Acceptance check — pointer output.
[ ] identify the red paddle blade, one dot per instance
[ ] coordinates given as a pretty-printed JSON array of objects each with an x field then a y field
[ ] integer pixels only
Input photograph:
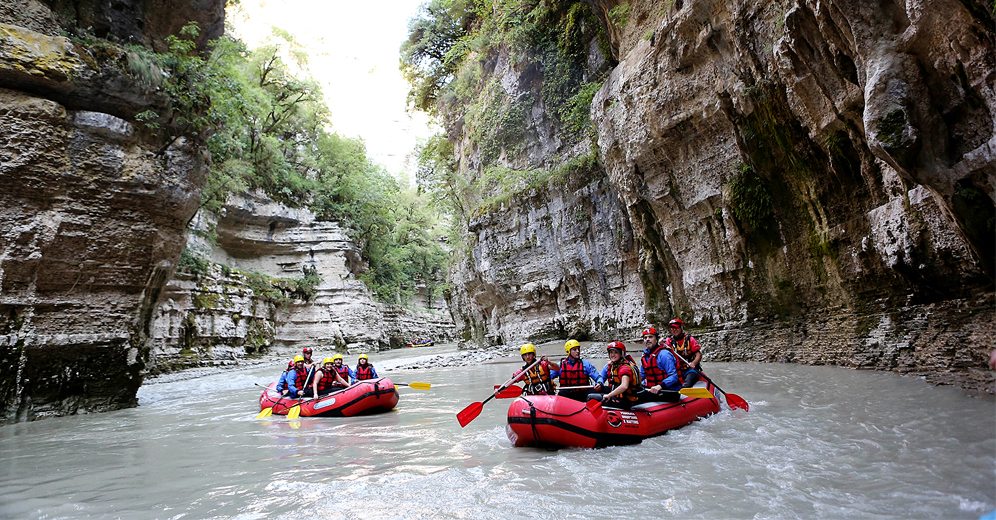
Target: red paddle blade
[
  {"x": 737, "y": 402},
  {"x": 469, "y": 413},
  {"x": 509, "y": 393},
  {"x": 594, "y": 406}
]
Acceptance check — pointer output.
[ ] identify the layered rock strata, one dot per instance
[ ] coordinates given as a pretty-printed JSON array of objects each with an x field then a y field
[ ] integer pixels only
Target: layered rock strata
[
  {"x": 219, "y": 316},
  {"x": 92, "y": 217},
  {"x": 802, "y": 181}
]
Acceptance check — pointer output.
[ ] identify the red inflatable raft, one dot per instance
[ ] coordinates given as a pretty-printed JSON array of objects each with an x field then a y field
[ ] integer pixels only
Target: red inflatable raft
[
  {"x": 558, "y": 422},
  {"x": 362, "y": 397}
]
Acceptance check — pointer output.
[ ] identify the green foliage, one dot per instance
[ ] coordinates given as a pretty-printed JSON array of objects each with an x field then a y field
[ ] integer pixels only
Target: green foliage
[
  {"x": 576, "y": 112},
  {"x": 499, "y": 185},
  {"x": 435, "y": 46},
  {"x": 266, "y": 129},
  {"x": 619, "y": 15},
  {"x": 498, "y": 122},
  {"x": 452, "y": 40},
  {"x": 750, "y": 200},
  {"x": 192, "y": 263}
]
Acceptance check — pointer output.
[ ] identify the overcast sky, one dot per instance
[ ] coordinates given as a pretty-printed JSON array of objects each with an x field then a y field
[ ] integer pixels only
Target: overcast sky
[{"x": 352, "y": 49}]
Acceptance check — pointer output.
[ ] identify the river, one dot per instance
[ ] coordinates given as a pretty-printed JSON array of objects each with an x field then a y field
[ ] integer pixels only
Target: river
[{"x": 818, "y": 442}]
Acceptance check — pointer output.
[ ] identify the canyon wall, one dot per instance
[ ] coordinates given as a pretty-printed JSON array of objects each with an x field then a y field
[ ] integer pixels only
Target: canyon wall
[
  {"x": 248, "y": 296},
  {"x": 801, "y": 181},
  {"x": 92, "y": 211}
]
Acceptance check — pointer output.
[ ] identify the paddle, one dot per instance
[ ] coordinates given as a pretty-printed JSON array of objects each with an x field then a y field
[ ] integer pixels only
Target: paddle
[
  {"x": 266, "y": 412},
  {"x": 733, "y": 400},
  {"x": 508, "y": 393},
  {"x": 471, "y": 412},
  {"x": 417, "y": 385}
]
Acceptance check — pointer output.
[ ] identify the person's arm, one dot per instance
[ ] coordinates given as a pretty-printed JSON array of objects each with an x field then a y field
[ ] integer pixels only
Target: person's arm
[
  {"x": 696, "y": 349},
  {"x": 592, "y": 373},
  {"x": 665, "y": 360},
  {"x": 314, "y": 384},
  {"x": 291, "y": 381},
  {"x": 339, "y": 379},
  {"x": 373, "y": 372},
  {"x": 553, "y": 365},
  {"x": 352, "y": 375},
  {"x": 623, "y": 385}
]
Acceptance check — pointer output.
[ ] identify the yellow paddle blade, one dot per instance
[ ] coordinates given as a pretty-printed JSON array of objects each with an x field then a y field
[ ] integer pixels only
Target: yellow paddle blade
[
  {"x": 702, "y": 393},
  {"x": 266, "y": 412},
  {"x": 294, "y": 412},
  {"x": 418, "y": 385}
]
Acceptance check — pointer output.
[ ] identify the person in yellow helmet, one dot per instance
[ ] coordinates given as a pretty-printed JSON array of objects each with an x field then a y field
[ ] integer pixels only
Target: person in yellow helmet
[
  {"x": 343, "y": 370},
  {"x": 294, "y": 379},
  {"x": 576, "y": 372},
  {"x": 538, "y": 380},
  {"x": 364, "y": 370},
  {"x": 327, "y": 379}
]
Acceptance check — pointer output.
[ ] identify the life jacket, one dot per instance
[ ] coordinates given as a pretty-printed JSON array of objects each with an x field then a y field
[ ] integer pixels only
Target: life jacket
[
  {"x": 651, "y": 371},
  {"x": 327, "y": 380},
  {"x": 680, "y": 348},
  {"x": 537, "y": 380},
  {"x": 300, "y": 378},
  {"x": 634, "y": 384},
  {"x": 343, "y": 372},
  {"x": 572, "y": 375},
  {"x": 364, "y": 372}
]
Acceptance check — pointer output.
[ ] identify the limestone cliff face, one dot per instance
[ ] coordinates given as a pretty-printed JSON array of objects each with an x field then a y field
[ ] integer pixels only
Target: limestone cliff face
[
  {"x": 802, "y": 181},
  {"x": 92, "y": 219},
  {"x": 222, "y": 315}
]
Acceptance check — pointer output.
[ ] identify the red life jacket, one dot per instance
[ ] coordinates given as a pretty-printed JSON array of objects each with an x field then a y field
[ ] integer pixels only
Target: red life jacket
[
  {"x": 327, "y": 380},
  {"x": 651, "y": 372},
  {"x": 538, "y": 380},
  {"x": 364, "y": 372},
  {"x": 343, "y": 372},
  {"x": 300, "y": 378},
  {"x": 572, "y": 375},
  {"x": 634, "y": 384}
]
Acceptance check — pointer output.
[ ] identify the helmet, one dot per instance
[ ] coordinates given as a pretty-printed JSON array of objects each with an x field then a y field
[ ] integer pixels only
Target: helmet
[
  {"x": 364, "y": 356},
  {"x": 328, "y": 360},
  {"x": 336, "y": 356},
  {"x": 676, "y": 321},
  {"x": 298, "y": 358},
  {"x": 527, "y": 348},
  {"x": 571, "y": 343},
  {"x": 307, "y": 350},
  {"x": 619, "y": 345},
  {"x": 290, "y": 364},
  {"x": 649, "y": 331}
]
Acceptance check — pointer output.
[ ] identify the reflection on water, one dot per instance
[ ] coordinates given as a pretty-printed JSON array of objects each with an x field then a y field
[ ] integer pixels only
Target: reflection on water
[{"x": 818, "y": 443}]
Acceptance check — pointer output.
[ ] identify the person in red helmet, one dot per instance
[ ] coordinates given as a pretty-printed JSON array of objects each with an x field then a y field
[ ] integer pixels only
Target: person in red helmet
[
  {"x": 622, "y": 375},
  {"x": 688, "y": 352},
  {"x": 658, "y": 366},
  {"x": 281, "y": 383}
]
